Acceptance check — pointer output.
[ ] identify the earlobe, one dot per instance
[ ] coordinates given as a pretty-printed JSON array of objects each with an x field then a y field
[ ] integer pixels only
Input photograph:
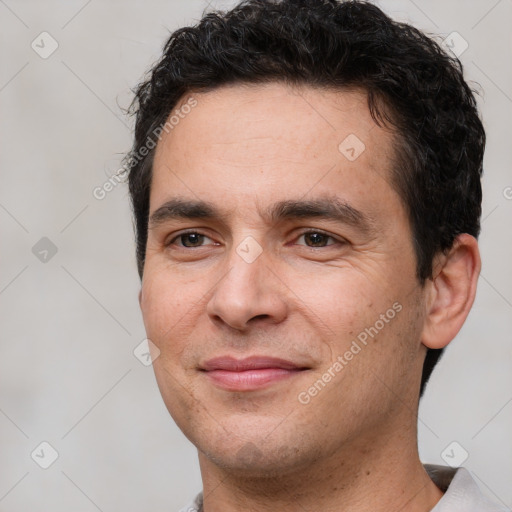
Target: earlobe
[{"x": 452, "y": 292}]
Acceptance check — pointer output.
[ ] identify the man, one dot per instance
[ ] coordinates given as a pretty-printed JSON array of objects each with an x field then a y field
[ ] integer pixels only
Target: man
[{"x": 305, "y": 181}]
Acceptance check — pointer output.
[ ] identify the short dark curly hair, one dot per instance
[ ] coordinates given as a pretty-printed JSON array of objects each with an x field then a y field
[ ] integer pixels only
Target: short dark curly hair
[{"x": 411, "y": 84}]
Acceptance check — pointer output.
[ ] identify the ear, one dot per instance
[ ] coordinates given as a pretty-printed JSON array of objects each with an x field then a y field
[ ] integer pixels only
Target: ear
[{"x": 452, "y": 292}]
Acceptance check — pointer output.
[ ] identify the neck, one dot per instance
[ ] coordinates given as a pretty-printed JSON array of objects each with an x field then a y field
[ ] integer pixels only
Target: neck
[{"x": 361, "y": 476}]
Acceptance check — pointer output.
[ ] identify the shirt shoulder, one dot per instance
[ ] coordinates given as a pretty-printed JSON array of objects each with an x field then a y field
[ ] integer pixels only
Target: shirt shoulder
[
  {"x": 195, "y": 506},
  {"x": 462, "y": 493}
]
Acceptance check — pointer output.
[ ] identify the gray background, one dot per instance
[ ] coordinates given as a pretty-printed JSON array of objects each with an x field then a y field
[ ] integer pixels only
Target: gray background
[{"x": 69, "y": 325}]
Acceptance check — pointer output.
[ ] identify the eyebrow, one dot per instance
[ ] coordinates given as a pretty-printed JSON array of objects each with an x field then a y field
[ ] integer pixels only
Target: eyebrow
[
  {"x": 183, "y": 209},
  {"x": 329, "y": 208}
]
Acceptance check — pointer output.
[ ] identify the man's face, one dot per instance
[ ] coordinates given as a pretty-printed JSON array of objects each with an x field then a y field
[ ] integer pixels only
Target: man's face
[{"x": 255, "y": 285}]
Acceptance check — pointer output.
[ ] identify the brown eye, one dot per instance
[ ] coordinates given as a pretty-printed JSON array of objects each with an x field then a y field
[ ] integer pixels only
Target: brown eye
[
  {"x": 189, "y": 240},
  {"x": 316, "y": 239},
  {"x": 192, "y": 239}
]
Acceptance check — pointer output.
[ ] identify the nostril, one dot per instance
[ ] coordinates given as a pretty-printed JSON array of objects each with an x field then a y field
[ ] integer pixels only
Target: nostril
[{"x": 260, "y": 317}]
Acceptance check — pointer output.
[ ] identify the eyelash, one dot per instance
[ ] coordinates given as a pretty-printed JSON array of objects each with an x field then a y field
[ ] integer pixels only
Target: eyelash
[{"x": 303, "y": 233}]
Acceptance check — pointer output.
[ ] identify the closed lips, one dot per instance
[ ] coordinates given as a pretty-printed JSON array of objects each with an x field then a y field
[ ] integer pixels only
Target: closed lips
[
  {"x": 232, "y": 364},
  {"x": 248, "y": 374}
]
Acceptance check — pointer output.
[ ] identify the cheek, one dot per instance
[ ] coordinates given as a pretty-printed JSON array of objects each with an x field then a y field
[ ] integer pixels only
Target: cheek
[
  {"x": 177, "y": 393},
  {"x": 340, "y": 300},
  {"x": 168, "y": 309},
  {"x": 364, "y": 322}
]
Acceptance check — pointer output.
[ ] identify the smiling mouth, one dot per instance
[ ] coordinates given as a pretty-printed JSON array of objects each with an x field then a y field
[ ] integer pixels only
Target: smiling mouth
[{"x": 249, "y": 374}]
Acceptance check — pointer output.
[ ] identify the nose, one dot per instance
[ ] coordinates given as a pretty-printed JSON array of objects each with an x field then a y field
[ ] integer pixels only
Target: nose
[{"x": 249, "y": 293}]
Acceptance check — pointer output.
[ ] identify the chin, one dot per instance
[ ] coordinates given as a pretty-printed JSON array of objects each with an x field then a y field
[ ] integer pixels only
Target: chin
[
  {"x": 257, "y": 449},
  {"x": 251, "y": 461}
]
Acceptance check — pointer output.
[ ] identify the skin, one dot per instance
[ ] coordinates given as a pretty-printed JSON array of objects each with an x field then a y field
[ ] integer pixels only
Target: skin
[{"x": 305, "y": 298}]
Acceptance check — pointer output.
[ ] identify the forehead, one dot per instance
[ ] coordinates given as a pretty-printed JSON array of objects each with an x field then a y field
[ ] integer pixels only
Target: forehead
[{"x": 273, "y": 138}]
